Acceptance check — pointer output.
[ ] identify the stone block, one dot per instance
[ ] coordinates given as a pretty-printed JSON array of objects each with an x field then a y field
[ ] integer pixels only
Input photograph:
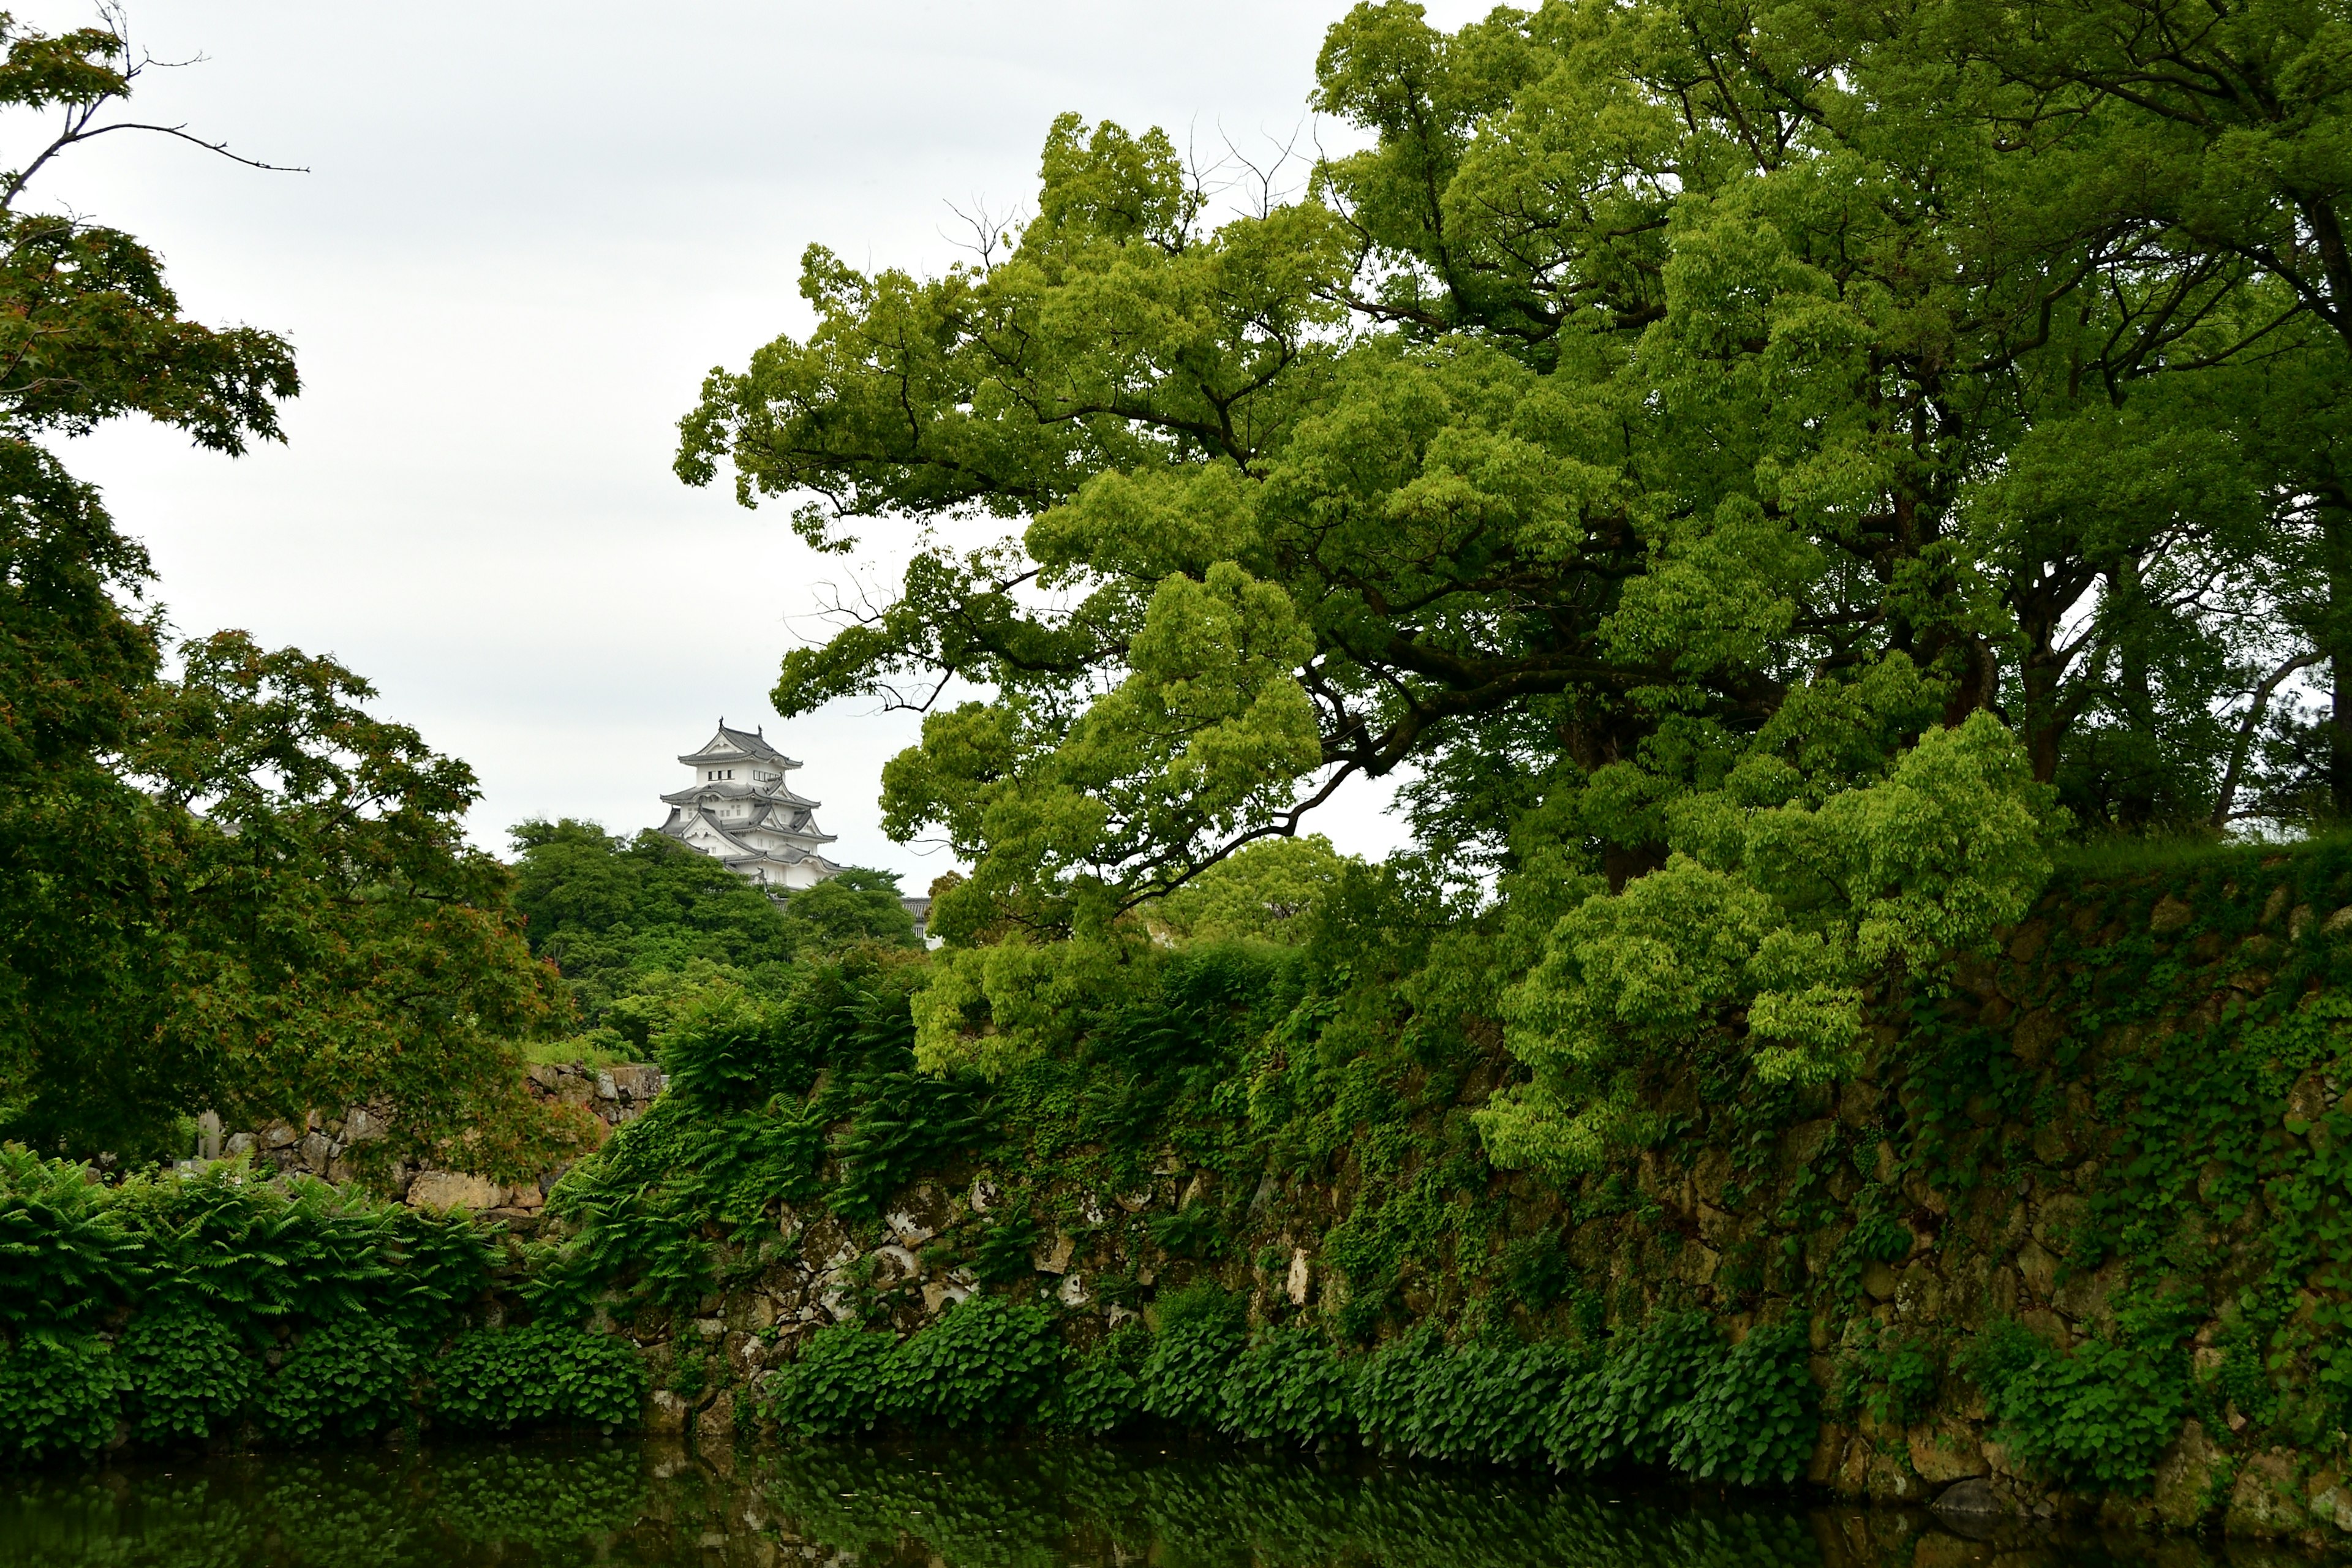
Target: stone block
[
  {"x": 1055, "y": 1257},
  {"x": 2035, "y": 1035},
  {"x": 2193, "y": 1477},
  {"x": 2039, "y": 1268},
  {"x": 2171, "y": 914},
  {"x": 1300, "y": 1282},
  {"x": 2268, "y": 1497},
  {"x": 2085, "y": 1297},
  {"x": 239, "y": 1144},
  {"x": 1829, "y": 1447},
  {"x": 893, "y": 1265},
  {"x": 637, "y": 1081},
  {"x": 1945, "y": 1451},
  {"x": 317, "y": 1149},
  {"x": 2328, "y": 1500},
  {"x": 445, "y": 1190}
]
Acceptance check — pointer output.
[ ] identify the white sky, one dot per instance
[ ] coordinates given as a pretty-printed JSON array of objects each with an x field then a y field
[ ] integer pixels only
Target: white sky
[{"x": 529, "y": 230}]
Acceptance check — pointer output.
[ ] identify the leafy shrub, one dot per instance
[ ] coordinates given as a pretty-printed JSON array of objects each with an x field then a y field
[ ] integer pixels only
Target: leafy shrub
[
  {"x": 1391, "y": 1392},
  {"x": 349, "y": 1376},
  {"x": 2097, "y": 1415},
  {"x": 841, "y": 1382},
  {"x": 65, "y": 1249},
  {"x": 1288, "y": 1386},
  {"x": 1003, "y": 1252},
  {"x": 490, "y": 1379},
  {"x": 1490, "y": 1403},
  {"x": 1752, "y": 1419},
  {"x": 1102, "y": 1390},
  {"x": 986, "y": 1363},
  {"x": 1626, "y": 1409},
  {"x": 1200, "y": 1334},
  {"x": 1484, "y": 1402},
  {"x": 1894, "y": 1378},
  {"x": 59, "y": 1392},
  {"x": 187, "y": 1372}
]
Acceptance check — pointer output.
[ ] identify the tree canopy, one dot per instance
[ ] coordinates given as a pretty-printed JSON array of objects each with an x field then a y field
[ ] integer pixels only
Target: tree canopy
[
  {"x": 1762, "y": 475},
  {"x": 639, "y": 926},
  {"x": 225, "y": 883}
]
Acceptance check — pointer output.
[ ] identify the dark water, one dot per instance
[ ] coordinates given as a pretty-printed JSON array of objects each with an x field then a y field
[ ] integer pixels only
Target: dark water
[{"x": 967, "y": 1506}]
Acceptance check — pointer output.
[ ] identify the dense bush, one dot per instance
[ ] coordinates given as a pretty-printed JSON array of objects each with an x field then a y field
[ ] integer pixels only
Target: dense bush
[
  {"x": 2095, "y": 1417},
  {"x": 985, "y": 1363},
  {"x": 345, "y": 1377},
  {"x": 1289, "y": 1386},
  {"x": 219, "y": 1276},
  {"x": 186, "y": 1370},
  {"x": 1102, "y": 1391},
  {"x": 492, "y": 1379},
  {"x": 840, "y": 1383},
  {"x": 1201, "y": 1333},
  {"x": 59, "y": 1393},
  {"x": 1753, "y": 1416},
  {"x": 1669, "y": 1393}
]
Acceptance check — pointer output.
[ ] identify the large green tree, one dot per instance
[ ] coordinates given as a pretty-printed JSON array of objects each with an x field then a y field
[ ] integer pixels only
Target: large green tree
[
  {"x": 224, "y": 883},
  {"x": 1747, "y": 465}
]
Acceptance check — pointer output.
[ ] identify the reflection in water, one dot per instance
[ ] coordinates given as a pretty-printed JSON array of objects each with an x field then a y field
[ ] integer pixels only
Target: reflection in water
[{"x": 948, "y": 1507}]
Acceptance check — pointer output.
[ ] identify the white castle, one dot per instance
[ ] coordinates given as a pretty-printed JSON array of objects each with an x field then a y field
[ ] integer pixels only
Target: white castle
[{"x": 738, "y": 810}]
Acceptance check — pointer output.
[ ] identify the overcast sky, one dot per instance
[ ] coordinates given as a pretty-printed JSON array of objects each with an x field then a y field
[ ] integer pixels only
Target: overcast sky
[{"x": 528, "y": 232}]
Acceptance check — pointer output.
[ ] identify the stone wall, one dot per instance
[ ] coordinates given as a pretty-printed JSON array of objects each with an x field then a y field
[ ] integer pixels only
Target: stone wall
[
  {"x": 329, "y": 1146},
  {"x": 1749, "y": 1225}
]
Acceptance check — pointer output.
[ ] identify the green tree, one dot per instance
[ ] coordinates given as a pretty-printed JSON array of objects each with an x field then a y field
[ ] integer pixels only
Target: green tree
[
  {"x": 856, "y": 906},
  {"x": 1685, "y": 438},
  {"x": 610, "y": 912},
  {"x": 227, "y": 886}
]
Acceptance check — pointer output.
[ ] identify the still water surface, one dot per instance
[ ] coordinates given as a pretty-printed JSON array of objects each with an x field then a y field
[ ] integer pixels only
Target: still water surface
[{"x": 967, "y": 1506}]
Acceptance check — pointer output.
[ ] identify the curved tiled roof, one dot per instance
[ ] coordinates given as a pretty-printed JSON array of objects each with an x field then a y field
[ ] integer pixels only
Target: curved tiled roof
[{"x": 729, "y": 743}]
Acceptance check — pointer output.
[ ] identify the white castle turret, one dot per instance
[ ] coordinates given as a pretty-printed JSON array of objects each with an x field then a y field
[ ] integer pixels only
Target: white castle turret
[{"x": 737, "y": 809}]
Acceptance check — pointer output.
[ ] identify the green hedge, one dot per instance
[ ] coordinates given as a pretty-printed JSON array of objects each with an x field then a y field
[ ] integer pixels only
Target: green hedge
[
  {"x": 1674, "y": 1394},
  {"x": 173, "y": 1310}
]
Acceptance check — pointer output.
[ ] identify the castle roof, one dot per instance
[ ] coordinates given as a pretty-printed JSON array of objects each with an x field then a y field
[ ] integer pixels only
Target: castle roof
[
  {"x": 736, "y": 746},
  {"x": 736, "y": 789}
]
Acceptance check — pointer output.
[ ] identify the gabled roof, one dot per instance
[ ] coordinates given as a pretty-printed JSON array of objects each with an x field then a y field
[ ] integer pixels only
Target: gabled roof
[
  {"x": 737, "y": 789},
  {"x": 734, "y": 745}
]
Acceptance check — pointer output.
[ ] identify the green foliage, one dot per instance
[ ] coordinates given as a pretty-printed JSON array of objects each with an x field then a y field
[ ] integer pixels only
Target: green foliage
[
  {"x": 1102, "y": 1391},
  {"x": 1629, "y": 1409},
  {"x": 59, "y": 1394},
  {"x": 1751, "y": 1419},
  {"x": 494, "y": 1379},
  {"x": 186, "y": 1371},
  {"x": 613, "y": 912},
  {"x": 840, "y": 1383},
  {"x": 65, "y": 1249},
  {"x": 1785, "y": 913},
  {"x": 1893, "y": 1376},
  {"x": 856, "y": 905},
  {"x": 1270, "y": 891},
  {"x": 985, "y": 1363},
  {"x": 1288, "y": 1386},
  {"x": 2095, "y": 1417},
  {"x": 1200, "y": 1334},
  {"x": 346, "y": 1377}
]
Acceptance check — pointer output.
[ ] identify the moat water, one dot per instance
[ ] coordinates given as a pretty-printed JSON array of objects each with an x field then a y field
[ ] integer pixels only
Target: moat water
[{"x": 962, "y": 1506}]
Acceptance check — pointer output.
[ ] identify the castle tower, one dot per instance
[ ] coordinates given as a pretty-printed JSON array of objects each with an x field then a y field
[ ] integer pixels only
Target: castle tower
[{"x": 738, "y": 808}]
